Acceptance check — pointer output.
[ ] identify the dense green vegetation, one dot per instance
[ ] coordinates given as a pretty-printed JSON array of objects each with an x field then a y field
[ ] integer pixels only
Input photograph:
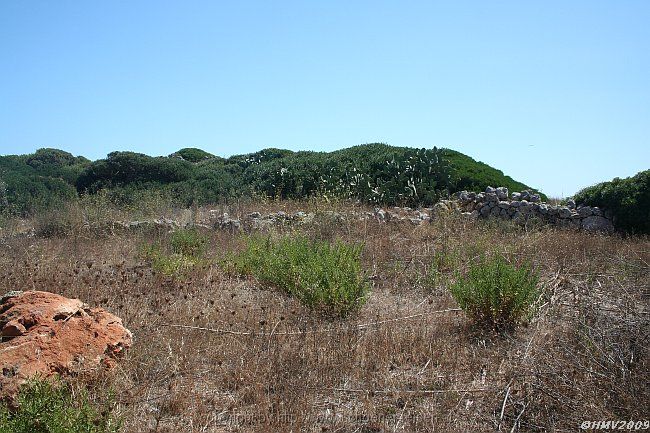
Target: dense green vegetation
[
  {"x": 323, "y": 275},
  {"x": 39, "y": 180},
  {"x": 628, "y": 199},
  {"x": 180, "y": 253},
  {"x": 374, "y": 173},
  {"x": 496, "y": 293},
  {"x": 44, "y": 407}
]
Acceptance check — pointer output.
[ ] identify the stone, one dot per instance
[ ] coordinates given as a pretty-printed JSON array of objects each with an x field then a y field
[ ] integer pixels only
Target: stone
[
  {"x": 515, "y": 196},
  {"x": 504, "y": 204},
  {"x": 535, "y": 198},
  {"x": 45, "y": 334},
  {"x": 502, "y": 193},
  {"x": 254, "y": 215},
  {"x": 571, "y": 204},
  {"x": 597, "y": 223},
  {"x": 491, "y": 197},
  {"x": 564, "y": 212},
  {"x": 585, "y": 211},
  {"x": 485, "y": 210},
  {"x": 490, "y": 190}
]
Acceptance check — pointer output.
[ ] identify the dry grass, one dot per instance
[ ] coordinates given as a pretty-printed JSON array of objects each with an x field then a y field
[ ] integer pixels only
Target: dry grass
[{"x": 275, "y": 365}]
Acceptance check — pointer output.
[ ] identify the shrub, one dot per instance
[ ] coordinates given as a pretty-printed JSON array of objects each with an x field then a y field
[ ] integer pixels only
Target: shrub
[
  {"x": 495, "y": 293},
  {"x": 321, "y": 274},
  {"x": 184, "y": 250},
  {"x": 627, "y": 199},
  {"x": 188, "y": 242},
  {"x": 43, "y": 407}
]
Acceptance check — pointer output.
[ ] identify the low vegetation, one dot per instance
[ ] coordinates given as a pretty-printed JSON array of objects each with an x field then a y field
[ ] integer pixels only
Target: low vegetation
[
  {"x": 321, "y": 274},
  {"x": 496, "y": 293},
  {"x": 178, "y": 253},
  {"x": 342, "y": 324},
  {"x": 45, "y": 407}
]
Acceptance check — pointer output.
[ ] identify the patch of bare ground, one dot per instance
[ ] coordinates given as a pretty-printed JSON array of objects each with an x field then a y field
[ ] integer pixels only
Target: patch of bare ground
[{"x": 217, "y": 353}]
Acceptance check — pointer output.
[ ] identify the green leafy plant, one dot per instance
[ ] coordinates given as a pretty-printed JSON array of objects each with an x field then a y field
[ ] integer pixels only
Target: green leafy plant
[
  {"x": 495, "y": 293},
  {"x": 321, "y": 274},
  {"x": 45, "y": 407},
  {"x": 182, "y": 251}
]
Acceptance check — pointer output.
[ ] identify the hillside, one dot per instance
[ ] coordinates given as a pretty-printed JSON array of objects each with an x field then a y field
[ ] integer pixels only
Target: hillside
[{"x": 374, "y": 173}]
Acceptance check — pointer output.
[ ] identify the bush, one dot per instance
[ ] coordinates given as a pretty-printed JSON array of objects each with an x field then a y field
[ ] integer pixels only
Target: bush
[
  {"x": 322, "y": 275},
  {"x": 188, "y": 242},
  {"x": 495, "y": 293},
  {"x": 43, "y": 407},
  {"x": 184, "y": 250},
  {"x": 627, "y": 199}
]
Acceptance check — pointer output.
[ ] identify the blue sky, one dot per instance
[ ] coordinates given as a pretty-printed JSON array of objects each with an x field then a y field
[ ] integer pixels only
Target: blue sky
[{"x": 554, "y": 93}]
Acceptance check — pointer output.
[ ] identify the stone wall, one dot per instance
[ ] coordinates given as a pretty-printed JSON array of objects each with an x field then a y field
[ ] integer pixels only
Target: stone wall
[{"x": 525, "y": 205}]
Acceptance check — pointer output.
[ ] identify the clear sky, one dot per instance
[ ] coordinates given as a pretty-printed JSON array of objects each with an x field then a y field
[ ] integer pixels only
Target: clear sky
[{"x": 554, "y": 93}]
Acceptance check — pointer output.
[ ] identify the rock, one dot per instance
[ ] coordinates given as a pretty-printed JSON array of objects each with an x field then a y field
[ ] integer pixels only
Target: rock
[
  {"x": 490, "y": 190},
  {"x": 491, "y": 197},
  {"x": 515, "y": 196},
  {"x": 47, "y": 334},
  {"x": 254, "y": 215},
  {"x": 571, "y": 204},
  {"x": 597, "y": 223},
  {"x": 535, "y": 198},
  {"x": 485, "y": 210},
  {"x": 564, "y": 212},
  {"x": 504, "y": 204},
  {"x": 502, "y": 193},
  {"x": 585, "y": 211}
]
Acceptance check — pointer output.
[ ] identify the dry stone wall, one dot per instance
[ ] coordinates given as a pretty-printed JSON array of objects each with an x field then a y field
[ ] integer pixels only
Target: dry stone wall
[{"x": 525, "y": 205}]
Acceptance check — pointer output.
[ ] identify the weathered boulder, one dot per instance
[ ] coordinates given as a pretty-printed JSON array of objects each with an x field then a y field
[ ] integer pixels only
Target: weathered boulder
[
  {"x": 597, "y": 223},
  {"x": 44, "y": 334}
]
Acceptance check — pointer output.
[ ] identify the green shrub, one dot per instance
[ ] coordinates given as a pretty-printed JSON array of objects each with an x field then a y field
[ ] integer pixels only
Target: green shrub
[
  {"x": 188, "y": 242},
  {"x": 184, "y": 250},
  {"x": 321, "y": 274},
  {"x": 43, "y": 407},
  {"x": 627, "y": 199},
  {"x": 495, "y": 293}
]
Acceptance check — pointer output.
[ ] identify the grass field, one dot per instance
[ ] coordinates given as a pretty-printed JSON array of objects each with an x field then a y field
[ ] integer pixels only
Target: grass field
[{"x": 218, "y": 351}]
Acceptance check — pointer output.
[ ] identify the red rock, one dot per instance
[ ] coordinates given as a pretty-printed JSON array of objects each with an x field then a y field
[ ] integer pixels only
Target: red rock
[{"x": 45, "y": 334}]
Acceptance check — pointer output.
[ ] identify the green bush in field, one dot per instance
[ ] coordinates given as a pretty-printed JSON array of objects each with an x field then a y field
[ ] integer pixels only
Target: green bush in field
[
  {"x": 495, "y": 293},
  {"x": 43, "y": 407},
  {"x": 322, "y": 275},
  {"x": 627, "y": 199},
  {"x": 183, "y": 250},
  {"x": 188, "y": 242}
]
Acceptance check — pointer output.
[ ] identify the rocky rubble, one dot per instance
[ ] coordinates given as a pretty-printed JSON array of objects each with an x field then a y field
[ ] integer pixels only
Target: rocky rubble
[
  {"x": 43, "y": 334},
  {"x": 525, "y": 205}
]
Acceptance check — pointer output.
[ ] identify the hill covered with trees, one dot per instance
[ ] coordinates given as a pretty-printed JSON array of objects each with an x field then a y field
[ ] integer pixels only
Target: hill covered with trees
[{"x": 374, "y": 173}]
